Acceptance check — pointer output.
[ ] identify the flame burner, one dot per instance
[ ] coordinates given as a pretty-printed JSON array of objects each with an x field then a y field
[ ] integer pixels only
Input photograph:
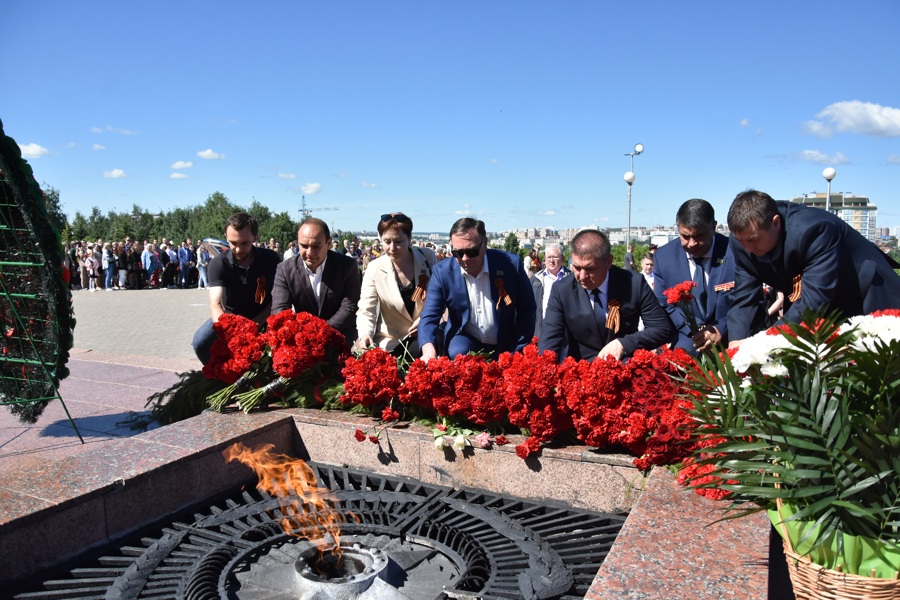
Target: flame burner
[{"x": 405, "y": 541}]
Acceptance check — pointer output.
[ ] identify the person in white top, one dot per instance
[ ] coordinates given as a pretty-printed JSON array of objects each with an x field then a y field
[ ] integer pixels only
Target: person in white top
[{"x": 542, "y": 282}]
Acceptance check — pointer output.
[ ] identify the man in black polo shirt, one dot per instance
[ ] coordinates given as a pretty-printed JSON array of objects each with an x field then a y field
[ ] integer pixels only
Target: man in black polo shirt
[{"x": 240, "y": 280}]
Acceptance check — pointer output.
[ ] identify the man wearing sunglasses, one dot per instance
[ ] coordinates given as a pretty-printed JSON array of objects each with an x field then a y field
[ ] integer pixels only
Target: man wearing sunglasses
[{"x": 486, "y": 294}]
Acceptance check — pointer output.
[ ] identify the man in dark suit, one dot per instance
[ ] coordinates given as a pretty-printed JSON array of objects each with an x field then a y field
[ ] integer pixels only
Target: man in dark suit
[
  {"x": 319, "y": 281},
  {"x": 595, "y": 313},
  {"x": 813, "y": 257},
  {"x": 486, "y": 294},
  {"x": 704, "y": 256}
]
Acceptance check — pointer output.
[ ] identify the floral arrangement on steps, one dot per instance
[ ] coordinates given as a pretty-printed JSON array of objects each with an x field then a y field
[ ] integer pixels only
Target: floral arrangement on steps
[
  {"x": 803, "y": 421},
  {"x": 301, "y": 361}
]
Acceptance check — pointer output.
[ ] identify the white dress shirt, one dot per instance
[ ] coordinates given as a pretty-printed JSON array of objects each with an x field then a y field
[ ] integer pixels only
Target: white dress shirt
[{"x": 481, "y": 325}]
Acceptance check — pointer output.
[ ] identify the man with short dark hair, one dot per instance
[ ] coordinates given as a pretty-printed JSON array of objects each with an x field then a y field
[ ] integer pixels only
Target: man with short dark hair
[
  {"x": 319, "y": 281},
  {"x": 703, "y": 256},
  {"x": 185, "y": 258},
  {"x": 810, "y": 255},
  {"x": 240, "y": 280},
  {"x": 486, "y": 294},
  {"x": 596, "y": 312}
]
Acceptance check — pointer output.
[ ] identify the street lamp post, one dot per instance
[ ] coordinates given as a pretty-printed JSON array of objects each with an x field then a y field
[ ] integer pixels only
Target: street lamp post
[
  {"x": 828, "y": 174},
  {"x": 629, "y": 179}
]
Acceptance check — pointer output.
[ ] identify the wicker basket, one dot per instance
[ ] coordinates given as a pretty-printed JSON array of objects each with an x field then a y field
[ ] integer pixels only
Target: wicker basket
[{"x": 815, "y": 582}]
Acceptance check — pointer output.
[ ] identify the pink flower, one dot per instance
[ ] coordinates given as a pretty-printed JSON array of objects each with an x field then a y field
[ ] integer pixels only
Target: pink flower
[{"x": 483, "y": 440}]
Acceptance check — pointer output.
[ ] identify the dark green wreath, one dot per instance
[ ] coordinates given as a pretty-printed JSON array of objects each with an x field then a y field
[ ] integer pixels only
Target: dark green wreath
[{"x": 36, "y": 318}]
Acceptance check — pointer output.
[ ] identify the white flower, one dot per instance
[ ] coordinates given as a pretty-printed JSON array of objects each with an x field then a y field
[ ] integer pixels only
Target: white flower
[
  {"x": 459, "y": 442},
  {"x": 758, "y": 350},
  {"x": 868, "y": 330},
  {"x": 440, "y": 443},
  {"x": 774, "y": 369}
]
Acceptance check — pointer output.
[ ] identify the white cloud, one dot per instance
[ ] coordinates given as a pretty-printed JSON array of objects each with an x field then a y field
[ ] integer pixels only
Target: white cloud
[
  {"x": 894, "y": 159},
  {"x": 70, "y": 145},
  {"x": 342, "y": 175},
  {"x": 494, "y": 161},
  {"x": 33, "y": 150},
  {"x": 854, "y": 116},
  {"x": 547, "y": 213},
  {"x": 814, "y": 156},
  {"x": 178, "y": 176},
  {"x": 114, "y": 174},
  {"x": 744, "y": 123},
  {"x": 368, "y": 184},
  {"x": 311, "y": 188},
  {"x": 287, "y": 176},
  {"x": 112, "y": 129},
  {"x": 182, "y": 164},
  {"x": 209, "y": 154},
  {"x": 98, "y": 147}
]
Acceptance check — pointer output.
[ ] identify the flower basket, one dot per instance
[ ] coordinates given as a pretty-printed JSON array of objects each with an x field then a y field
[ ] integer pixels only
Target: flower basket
[{"x": 812, "y": 581}]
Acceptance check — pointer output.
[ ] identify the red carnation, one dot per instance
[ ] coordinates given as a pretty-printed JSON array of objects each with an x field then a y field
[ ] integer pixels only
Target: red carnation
[
  {"x": 389, "y": 414},
  {"x": 237, "y": 348},
  {"x": 359, "y": 435}
]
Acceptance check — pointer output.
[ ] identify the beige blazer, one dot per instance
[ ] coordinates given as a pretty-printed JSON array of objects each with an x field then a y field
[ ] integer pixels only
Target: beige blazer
[{"x": 381, "y": 313}]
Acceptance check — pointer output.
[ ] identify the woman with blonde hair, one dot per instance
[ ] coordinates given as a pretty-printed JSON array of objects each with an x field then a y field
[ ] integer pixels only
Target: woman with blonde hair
[{"x": 393, "y": 290}]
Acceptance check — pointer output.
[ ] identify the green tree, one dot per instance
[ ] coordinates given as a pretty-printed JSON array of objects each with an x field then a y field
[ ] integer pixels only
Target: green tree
[
  {"x": 54, "y": 208},
  {"x": 280, "y": 227},
  {"x": 511, "y": 243}
]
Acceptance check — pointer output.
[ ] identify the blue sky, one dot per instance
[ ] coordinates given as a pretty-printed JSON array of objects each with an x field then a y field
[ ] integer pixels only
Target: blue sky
[{"x": 517, "y": 112}]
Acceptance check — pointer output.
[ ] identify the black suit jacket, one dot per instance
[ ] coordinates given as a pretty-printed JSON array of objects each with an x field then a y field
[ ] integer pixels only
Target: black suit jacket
[
  {"x": 838, "y": 269},
  {"x": 570, "y": 328},
  {"x": 340, "y": 289}
]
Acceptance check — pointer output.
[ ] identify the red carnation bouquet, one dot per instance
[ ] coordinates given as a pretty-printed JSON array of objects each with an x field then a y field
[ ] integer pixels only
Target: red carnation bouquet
[
  {"x": 530, "y": 380},
  {"x": 304, "y": 349},
  {"x": 235, "y": 357},
  {"x": 371, "y": 380},
  {"x": 682, "y": 297},
  {"x": 636, "y": 405}
]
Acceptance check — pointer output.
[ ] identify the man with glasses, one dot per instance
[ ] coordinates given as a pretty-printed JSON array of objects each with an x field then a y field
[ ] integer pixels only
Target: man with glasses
[
  {"x": 705, "y": 257},
  {"x": 596, "y": 312},
  {"x": 543, "y": 281},
  {"x": 486, "y": 294},
  {"x": 319, "y": 281}
]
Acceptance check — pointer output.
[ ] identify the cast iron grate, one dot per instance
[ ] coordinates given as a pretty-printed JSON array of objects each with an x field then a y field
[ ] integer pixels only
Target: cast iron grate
[{"x": 448, "y": 544}]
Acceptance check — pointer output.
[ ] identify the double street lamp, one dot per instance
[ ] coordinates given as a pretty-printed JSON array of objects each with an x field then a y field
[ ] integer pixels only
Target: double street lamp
[
  {"x": 629, "y": 179},
  {"x": 828, "y": 174}
]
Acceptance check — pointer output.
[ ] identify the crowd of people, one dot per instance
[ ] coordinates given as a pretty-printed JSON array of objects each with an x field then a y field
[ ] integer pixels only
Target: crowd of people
[{"x": 133, "y": 265}]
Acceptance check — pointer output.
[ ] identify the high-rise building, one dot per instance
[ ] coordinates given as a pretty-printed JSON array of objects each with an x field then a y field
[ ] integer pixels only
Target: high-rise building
[{"x": 855, "y": 210}]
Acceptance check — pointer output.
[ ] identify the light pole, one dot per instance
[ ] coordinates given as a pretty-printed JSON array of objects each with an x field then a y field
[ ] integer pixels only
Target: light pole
[
  {"x": 828, "y": 174},
  {"x": 629, "y": 179}
]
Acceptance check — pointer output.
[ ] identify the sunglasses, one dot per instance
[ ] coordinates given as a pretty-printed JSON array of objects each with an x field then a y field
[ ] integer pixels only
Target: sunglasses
[
  {"x": 396, "y": 217},
  {"x": 470, "y": 252}
]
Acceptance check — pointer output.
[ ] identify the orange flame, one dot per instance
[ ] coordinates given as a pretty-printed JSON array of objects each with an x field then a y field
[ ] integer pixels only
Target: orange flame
[{"x": 306, "y": 512}]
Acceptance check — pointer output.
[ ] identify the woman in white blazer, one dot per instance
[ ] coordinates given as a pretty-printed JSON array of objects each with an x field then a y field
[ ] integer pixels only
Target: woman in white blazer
[{"x": 393, "y": 290}]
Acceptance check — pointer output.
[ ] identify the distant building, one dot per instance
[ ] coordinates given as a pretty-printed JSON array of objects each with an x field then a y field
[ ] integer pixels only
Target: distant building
[{"x": 855, "y": 210}]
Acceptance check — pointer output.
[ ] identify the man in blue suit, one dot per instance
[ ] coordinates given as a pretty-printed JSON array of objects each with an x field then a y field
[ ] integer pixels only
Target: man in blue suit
[
  {"x": 813, "y": 257},
  {"x": 699, "y": 252},
  {"x": 595, "y": 313},
  {"x": 486, "y": 294}
]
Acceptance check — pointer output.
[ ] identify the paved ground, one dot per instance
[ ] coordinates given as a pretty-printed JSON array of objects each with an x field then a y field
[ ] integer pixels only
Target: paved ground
[{"x": 128, "y": 345}]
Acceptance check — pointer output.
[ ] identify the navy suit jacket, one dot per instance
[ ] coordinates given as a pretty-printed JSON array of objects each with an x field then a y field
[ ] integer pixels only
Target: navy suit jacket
[
  {"x": 838, "y": 269},
  {"x": 447, "y": 290},
  {"x": 340, "y": 290},
  {"x": 571, "y": 329},
  {"x": 671, "y": 268}
]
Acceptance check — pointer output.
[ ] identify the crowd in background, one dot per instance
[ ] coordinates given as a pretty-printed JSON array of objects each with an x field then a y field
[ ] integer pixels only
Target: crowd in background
[{"x": 136, "y": 265}]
